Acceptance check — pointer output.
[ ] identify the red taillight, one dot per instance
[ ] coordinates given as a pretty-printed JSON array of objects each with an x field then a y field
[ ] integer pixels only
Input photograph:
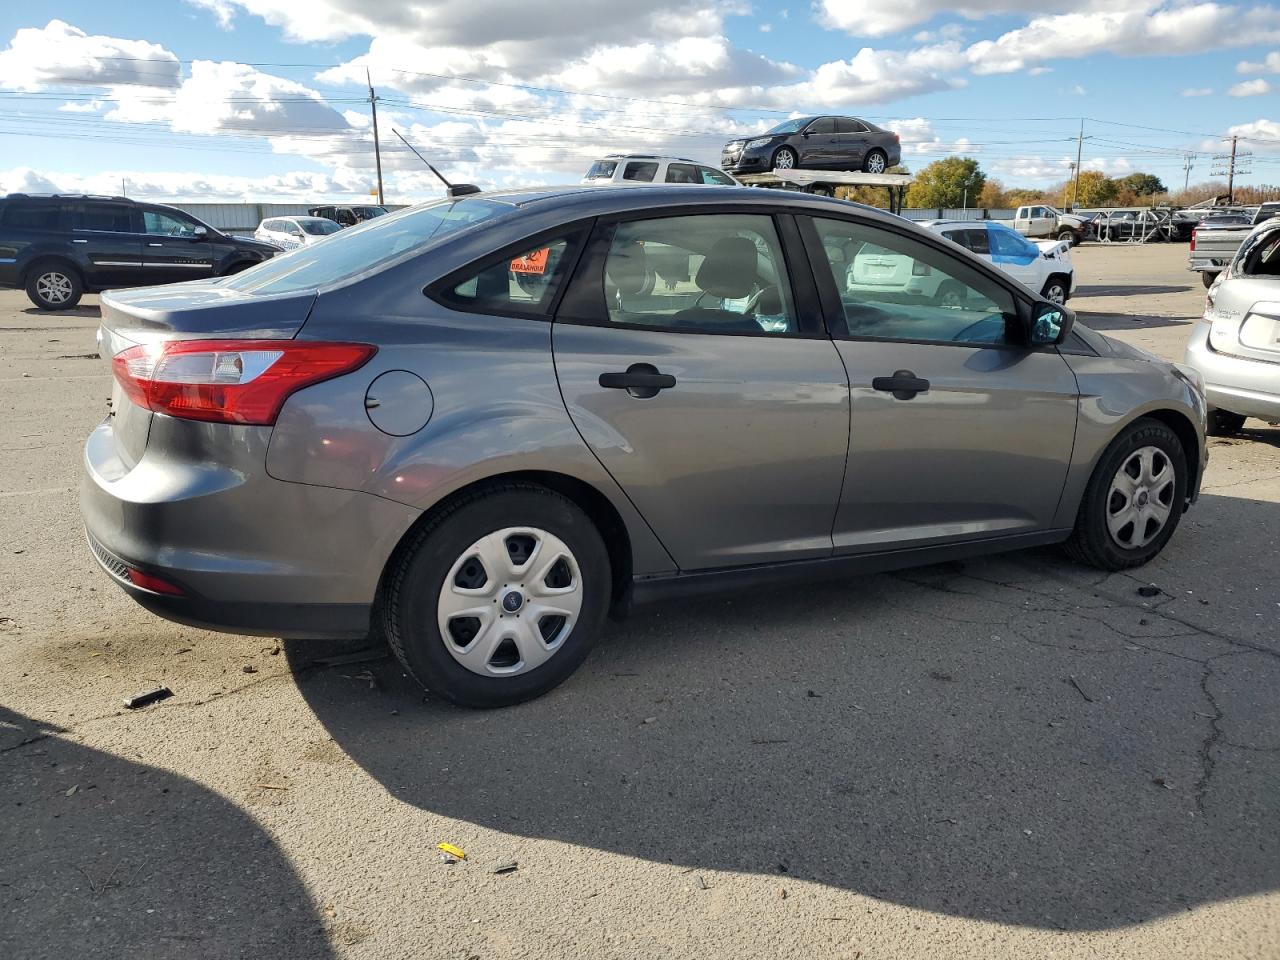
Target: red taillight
[
  {"x": 230, "y": 381},
  {"x": 1193, "y": 238},
  {"x": 155, "y": 584}
]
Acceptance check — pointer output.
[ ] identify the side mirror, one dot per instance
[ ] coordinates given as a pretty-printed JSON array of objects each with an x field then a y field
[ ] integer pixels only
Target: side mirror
[
  {"x": 200, "y": 233},
  {"x": 1050, "y": 324}
]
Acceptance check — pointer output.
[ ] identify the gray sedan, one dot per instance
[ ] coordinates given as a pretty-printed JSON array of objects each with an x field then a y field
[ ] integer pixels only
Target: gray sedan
[
  {"x": 815, "y": 143},
  {"x": 480, "y": 424},
  {"x": 1236, "y": 344}
]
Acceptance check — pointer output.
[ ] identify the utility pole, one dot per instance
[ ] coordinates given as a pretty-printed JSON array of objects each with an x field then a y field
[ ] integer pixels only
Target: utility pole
[
  {"x": 1075, "y": 194},
  {"x": 1231, "y": 173},
  {"x": 1187, "y": 163},
  {"x": 377, "y": 147}
]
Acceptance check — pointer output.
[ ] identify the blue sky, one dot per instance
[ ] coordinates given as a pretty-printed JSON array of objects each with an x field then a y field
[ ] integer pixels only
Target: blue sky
[{"x": 262, "y": 99}]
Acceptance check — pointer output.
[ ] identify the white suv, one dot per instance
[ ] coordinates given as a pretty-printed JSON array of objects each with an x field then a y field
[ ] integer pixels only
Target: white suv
[
  {"x": 294, "y": 232},
  {"x": 643, "y": 168}
]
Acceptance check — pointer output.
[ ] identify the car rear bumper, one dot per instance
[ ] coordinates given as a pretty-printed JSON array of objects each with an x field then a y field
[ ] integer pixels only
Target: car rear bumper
[
  {"x": 1236, "y": 384},
  {"x": 244, "y": 552}
]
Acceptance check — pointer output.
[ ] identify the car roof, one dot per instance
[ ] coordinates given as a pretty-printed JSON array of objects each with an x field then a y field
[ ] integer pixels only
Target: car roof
[
  {"x": 647, "y": 156},
  {"x": 957, "y": 223}
]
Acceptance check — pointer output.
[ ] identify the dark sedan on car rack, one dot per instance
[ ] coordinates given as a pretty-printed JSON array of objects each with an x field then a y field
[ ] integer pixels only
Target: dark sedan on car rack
[{"x": 815, "y": 143}]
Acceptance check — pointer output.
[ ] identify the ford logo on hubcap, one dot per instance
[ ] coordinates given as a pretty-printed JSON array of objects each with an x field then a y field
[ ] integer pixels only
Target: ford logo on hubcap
[{"x": 512, "y": 602}]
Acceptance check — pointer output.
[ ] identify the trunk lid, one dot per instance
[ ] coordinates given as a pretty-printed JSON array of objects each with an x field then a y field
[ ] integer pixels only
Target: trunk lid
[
  {"x": 201, "y": 310},
  {"x": 1245, "y": 318}
]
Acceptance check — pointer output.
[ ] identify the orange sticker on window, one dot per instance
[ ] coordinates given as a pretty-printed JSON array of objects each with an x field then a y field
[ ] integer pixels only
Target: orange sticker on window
[{"x": 534, "y": 262}]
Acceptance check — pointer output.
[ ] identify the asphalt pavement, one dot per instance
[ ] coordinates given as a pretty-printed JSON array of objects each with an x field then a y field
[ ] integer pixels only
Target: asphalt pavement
[{"x": 1006, "y": 757}]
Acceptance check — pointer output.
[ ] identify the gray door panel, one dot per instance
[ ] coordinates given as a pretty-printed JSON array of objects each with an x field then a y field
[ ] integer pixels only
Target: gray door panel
[
  {"x": 741, "y": 461},
  {"x": 983, "y": 452}
]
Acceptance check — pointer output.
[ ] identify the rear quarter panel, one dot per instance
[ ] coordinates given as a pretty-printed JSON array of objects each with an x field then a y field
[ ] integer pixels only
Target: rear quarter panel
[{"x": 495, "y": 405}]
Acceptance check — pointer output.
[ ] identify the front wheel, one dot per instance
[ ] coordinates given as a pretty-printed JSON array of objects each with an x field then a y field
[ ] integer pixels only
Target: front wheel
[
  {"x": 1134, "y": 499},
  {"x": 53, "y": 286},
  {"x": 1070, "y": 236},
  {"x": 1055, "y": 289},
  {"x": 784, "y": 158},
  {"x": 876, "y": 162},
  {"x": 498, "y": 599}
]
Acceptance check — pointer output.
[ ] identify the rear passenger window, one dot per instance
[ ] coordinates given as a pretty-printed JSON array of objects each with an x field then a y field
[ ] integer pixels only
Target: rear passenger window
[
  {"x": 970, "y": 239},
  {"x": 894, "y": 287},
  {"x": 521, "y": 284},
  {"x": 714, "y": 273},
  {"x": 30, "y": 216},
  {"x": 107, "y": 217},
  {"x": 683, "y": 173},
  {"x": 641, "y": 171},
  {"x": 849, "y": 125}
]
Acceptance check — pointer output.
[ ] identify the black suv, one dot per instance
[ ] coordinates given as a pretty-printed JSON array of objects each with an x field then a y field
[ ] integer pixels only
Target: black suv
[
  {"x": 60, "y": 247},
  {"x": 348, "y": 216}
]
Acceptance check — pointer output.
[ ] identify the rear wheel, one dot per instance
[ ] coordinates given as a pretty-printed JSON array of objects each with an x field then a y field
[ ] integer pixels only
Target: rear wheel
[
  {"x": 876, "y": 162},
  {"x": 500, "y": 598},
  {"x": 1134, "y": 499},
  {"x": 1207, "y": 278},
  {"x": 784, "y": 158},
  {"x": 1224, "y": 423},
  {"x": 52, "y": 285},
  {"x": 1055, "y": 289}
]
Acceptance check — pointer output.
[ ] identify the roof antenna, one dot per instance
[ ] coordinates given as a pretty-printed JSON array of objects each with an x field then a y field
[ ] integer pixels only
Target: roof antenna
[{"x": 452, "y": 190}]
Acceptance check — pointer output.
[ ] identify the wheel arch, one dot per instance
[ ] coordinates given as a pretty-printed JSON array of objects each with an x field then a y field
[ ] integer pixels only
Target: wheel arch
[
  {"x": 61, "y": 259},
  {"x": 595, "y": 504},
  {"x": 1187, "y": 435}
]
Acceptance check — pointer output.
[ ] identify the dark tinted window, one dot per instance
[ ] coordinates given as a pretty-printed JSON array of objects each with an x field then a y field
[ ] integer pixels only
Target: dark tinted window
[
  {"x": 822, "y": 125},
  {"x": 972, "y": 238},
  {"x": 30, "y": 215},
  {"x": 849, "y": 125},
  {"x": 114, "y": 217},
  {"x": 642, "y": 171},
  {"x": 1259, "y": 255}
]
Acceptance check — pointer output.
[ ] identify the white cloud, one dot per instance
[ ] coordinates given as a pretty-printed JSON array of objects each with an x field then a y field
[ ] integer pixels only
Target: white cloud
[
  {"x": 1250, "y": 88},
  {"x": 1128, "y": 27},
  {"x": 1264, "y": 134},
  {"x": 1039, "y": 71},
  {"x": 59, "y": 54},
  {"x": 1197, "y": 92},
  {"x": 919, "y": 137},
  {"x": 766, "y": 28},
  {"x": 862, "y": 19},
  {"x": 1269, "y": 65},
  {"x": 81, "y": 106}
]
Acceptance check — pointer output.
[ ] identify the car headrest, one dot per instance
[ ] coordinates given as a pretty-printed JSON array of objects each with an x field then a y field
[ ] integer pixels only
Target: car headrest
[
  {"x": 626, "y": 267},
  {"x": 729, "y": 270}
]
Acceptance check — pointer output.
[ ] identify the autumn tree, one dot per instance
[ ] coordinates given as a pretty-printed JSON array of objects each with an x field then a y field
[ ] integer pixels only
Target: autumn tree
[
  {"x": 1142, "y": 184},
  {"x": 951, "y": 182},
  {"x": 992, "y": 195},
  {"x": 1096, "y": 190},
  {"x": 1023, "y": 196}
]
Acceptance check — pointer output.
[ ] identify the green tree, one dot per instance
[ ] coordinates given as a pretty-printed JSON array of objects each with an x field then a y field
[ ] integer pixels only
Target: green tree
[
  {"x": 1096, "y": 190},
  {"x": 947, "y": 183},
  {"x": 1142, "y": 184},
  {"x": 1022, "y": 196}
]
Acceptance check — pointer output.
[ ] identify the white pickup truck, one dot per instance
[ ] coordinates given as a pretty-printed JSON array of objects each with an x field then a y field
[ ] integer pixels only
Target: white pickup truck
[
  {"x": 1214, "y": 243},
  {"x": 1042, "y": 220}
]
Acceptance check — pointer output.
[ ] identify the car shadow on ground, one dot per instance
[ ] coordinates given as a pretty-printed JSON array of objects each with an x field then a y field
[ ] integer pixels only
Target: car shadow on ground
[
  {"x": 104, "y": 857},
  {"x": 1126, "y": 290},
  {"x": 989, "y": 740},
  {"x": 1103, "y": 322},
  {"x": 82, "y": 310}
]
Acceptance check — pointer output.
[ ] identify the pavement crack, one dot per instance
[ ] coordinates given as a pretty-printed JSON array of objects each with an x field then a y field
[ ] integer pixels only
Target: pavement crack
[{"x": 1208, "y": 761}]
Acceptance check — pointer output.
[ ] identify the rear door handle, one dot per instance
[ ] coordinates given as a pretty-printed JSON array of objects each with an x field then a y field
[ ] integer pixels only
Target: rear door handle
[
  {"x": 641, "y": 380},
  {"x": 155, "y": 244},
  {"x": 903, "y": 384}
]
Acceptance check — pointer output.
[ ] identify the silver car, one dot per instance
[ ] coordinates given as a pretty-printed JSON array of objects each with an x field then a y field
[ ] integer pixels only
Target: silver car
[
  {"x": 1236, "y": 344},
  {"x": 481, "y": 424}
]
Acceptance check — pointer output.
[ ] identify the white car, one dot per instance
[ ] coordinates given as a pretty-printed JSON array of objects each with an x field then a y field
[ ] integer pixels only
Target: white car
[
  {"x": 636, "y": 168},
  {"x": 294, "y": 232},
  {"x": 1045, "y": 266}
]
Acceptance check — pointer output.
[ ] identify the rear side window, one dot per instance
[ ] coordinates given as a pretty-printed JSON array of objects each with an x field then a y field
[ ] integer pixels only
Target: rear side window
[
  {"x": 602, "y": 170},
  {"x": 971, "y": 239},
  {"x": 20, "y": 215},
  {"x": 1260, "y": 255},
  {"x": 522, "y": 283},
  {"x": 642, "y": 171},
  {"x": 712, "y": 273},
  {"x": 683, "y": 173},
  {"x": 849, "y": 125},
  {"x": 107, "y": 217}
]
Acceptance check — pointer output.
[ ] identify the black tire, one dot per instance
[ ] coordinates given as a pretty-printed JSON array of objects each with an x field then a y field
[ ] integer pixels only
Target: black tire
[
  {"x": 791, "y": 164},
  {"x": 416, "y": 575},
  {"x": 1224, "y": 423},
  {"x": 1056, "y": 284},
  {"x": 1069, "y": 235},
  {"x": 1207, "y": 278},
  {"x": 881, "y": 156},
  {"x": 48, "y": 276},
  {"x": 1091, "y": 542}
]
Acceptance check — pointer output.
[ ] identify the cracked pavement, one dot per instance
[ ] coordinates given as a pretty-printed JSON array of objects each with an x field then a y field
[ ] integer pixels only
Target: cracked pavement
[{"x": 1011, "y": 756}]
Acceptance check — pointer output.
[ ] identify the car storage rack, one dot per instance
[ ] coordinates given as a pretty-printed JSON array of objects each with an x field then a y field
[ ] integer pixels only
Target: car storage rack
[{"x": 824, "y": 182}]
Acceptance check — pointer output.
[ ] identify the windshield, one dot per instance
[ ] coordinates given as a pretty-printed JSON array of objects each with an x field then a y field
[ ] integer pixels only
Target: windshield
[
  {"x": 791, "y": 126},
  {"x": 602, "y": 170},
  {"x": 318, "y": 227},
  {"x": 358, "y": 249}
]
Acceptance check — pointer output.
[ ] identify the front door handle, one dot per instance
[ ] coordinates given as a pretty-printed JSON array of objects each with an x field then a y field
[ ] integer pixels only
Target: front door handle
[
  {"x": 641, "y": 380},
  {"x": 903, "y": 384}
]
